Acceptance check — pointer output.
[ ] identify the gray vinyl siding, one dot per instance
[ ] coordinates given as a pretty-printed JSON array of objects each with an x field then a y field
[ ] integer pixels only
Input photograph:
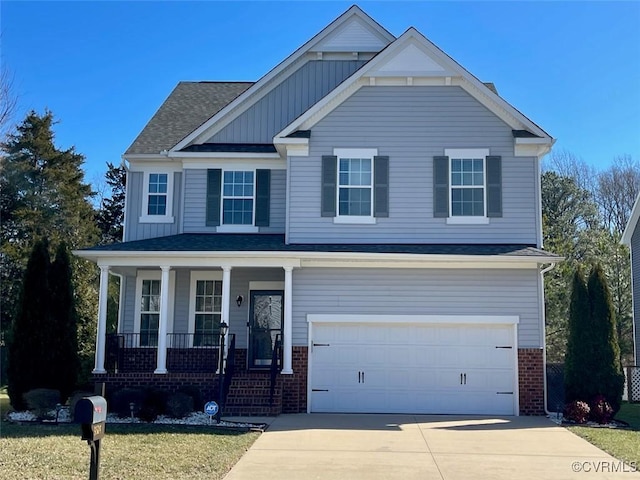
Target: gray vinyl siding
[
  {"x": 129, "y": 306},
  {"x": 181, "y": 302},
  {"x": 287, "y": 101},
  {"x": 412, "y": 125},
  {"x": 134, "y": 230},
  {"x": 195, "y": 202},
  {"x": 635, "y": 269},
  {"x": 418, "y": 292}
]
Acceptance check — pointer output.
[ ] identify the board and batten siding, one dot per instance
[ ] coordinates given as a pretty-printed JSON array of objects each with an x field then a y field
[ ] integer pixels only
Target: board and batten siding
[
  {"x": 134, "y": 230},
  {"x": 195, "y": 202},
  {"x": 411, "y": 125},
  {"x": 418, "y": 292},
  {"x": 287, "y": 101},
  {"x": 635, "y": 269}
]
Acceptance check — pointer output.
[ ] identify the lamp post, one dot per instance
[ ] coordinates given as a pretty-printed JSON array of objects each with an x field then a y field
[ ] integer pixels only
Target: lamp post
[{"x": 224, "y": 328}]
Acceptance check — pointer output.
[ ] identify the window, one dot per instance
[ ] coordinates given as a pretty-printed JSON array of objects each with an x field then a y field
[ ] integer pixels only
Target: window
[
  {"x": 205, "y": 308},
  {"x": 149, "y": 313},
  {"x": 157, "y": 204},
  {"x": 355, "y": 193},
  {"x": 157, "y": 197},
  {"x": 467, "y": 187},
  {"x": 237, "y": 198},
  {"x": 208, "y": 312}
]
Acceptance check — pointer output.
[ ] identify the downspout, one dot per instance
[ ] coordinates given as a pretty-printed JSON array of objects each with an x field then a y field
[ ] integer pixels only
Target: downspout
[{"x": 544, "y": 335}]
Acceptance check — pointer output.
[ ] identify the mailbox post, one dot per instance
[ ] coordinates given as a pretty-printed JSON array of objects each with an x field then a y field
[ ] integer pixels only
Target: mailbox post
[{"x": 91, "y": 414}]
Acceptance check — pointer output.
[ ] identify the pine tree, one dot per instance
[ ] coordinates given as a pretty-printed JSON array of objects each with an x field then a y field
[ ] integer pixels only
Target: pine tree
[
  {"x": 606, "y": 375},
  {"x": 110, "y": 217},
  {"x": 29, "y": 357},
  {"x": 43, "y": 193},
  {"x": 64, "y": 323},
  {"x": 577, "y": 360}
]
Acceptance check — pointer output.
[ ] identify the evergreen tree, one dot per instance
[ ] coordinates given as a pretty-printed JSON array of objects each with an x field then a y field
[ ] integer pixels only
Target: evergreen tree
[
  {"x": 43, "y": 193},
  {"x": 110, "y": 217},
  {"x": 64, "y": 323},
  {"x": 30, "y": 345},
  {"x": 577, "y": 360},
  {"x": 606, "y": 375}
]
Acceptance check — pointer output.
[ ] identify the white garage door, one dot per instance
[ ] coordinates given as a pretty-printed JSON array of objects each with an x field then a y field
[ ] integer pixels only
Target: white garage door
[{"x": 365, "y": 368}]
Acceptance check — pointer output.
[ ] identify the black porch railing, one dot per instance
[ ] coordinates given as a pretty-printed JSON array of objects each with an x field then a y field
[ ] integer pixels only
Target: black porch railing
[
  {"x": 276, "y": 366},
  {"x": 186, "y": 352}
]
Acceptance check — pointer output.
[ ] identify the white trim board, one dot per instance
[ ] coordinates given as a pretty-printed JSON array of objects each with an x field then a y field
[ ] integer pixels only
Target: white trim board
[{"x": 416, "y": 319}]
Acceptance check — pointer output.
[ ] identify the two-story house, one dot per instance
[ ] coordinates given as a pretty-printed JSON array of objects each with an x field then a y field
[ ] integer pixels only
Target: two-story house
[{"x": 365, "y": 219}]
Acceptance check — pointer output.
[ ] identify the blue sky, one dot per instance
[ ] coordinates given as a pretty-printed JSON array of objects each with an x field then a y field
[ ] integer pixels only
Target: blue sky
[{"x": 104, "y": 68}]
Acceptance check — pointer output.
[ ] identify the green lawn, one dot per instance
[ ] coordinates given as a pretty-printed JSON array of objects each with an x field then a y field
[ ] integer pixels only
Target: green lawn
[
  {"x": 622, "y": 444},
  {"x": 128, "y": 451}
]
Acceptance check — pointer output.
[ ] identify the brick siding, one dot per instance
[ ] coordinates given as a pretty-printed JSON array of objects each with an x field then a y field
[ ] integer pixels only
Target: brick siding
[{"x": 531, "y": 380}]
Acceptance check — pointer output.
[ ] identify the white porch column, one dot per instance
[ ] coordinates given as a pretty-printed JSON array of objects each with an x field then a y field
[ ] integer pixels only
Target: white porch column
[
  {"x": 287, "y": 349},
  {"x": 161, "y": 366},
  {"x": 101, "y": 332},
  {"x": 226, "y": 299}
]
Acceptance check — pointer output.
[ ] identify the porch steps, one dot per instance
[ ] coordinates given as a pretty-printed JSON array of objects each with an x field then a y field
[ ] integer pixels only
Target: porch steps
[{"x": 249, "y": 394}]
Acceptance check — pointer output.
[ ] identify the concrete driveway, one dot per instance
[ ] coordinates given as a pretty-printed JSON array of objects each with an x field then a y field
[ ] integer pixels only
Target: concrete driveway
[{"x": 346, "y": 447}]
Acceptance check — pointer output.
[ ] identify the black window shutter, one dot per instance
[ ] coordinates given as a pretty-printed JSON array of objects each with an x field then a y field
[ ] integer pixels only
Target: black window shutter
[
  {"x": 329, "y": 179},
  {"x": 441, "y": 186},
  {"x": 263, "y": 197},
  {"x": 380, "y": 186},
  {"x": 494, "y": 186},
  {"x": 214, "y": 179}
]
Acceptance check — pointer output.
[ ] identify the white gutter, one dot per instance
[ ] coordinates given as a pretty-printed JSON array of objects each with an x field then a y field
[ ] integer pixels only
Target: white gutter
[{"x": 544, "y": 336}]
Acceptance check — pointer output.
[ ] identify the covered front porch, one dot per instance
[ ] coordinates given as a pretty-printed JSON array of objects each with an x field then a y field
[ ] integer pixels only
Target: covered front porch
[{"x": 170, "y": 316}]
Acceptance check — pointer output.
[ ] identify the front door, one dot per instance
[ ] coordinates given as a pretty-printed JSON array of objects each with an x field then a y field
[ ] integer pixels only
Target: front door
[{"x": 265, "y": 326}]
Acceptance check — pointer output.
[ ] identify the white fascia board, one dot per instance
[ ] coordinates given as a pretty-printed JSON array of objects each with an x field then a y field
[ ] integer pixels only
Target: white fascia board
[
  {"x": 460, "y": 77},
  {"x": 160, "y": 166},
  {"x": 417, "y": 319},
  {"x": 227, "y": 163},
  {"x": 292, "y": 147},
  {"x": 309, "y": 259},
  {"x": 262, "y": 84},
  {"x": 631, "y": 224},
  {"x": 144, "y": 157}
]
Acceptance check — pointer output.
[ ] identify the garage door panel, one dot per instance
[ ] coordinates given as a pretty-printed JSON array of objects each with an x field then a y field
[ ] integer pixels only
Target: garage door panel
[{"x": 413, "y": 369}]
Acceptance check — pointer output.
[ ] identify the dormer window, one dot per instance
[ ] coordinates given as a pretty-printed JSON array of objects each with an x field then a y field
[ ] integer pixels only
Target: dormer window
[{"x": 157, "y": 200}]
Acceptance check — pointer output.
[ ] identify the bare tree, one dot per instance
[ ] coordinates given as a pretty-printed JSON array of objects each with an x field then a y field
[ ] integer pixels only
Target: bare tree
[
  {"x": 567, "y": 164},
  {"x": 616, "y": 191},
  {"x": 8, "y": 101}
]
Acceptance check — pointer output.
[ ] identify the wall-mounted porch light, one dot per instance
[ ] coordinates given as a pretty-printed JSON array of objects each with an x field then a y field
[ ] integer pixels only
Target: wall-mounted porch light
[{"x": 239, "y": 300}]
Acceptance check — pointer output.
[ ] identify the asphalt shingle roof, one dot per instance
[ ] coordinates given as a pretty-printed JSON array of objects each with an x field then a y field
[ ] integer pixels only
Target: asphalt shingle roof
[
  {"x": 188, "y": 106},
  {"x": 202, "y": 242}
]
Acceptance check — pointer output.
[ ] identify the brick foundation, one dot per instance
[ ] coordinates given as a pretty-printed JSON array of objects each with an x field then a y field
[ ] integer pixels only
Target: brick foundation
[
  {"x": 294, "y": 387},
  {"x": 531, "y": 381}
]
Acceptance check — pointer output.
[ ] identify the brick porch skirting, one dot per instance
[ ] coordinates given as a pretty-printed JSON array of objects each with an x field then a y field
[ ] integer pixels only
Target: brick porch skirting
[{"x": 531, "y": 380}]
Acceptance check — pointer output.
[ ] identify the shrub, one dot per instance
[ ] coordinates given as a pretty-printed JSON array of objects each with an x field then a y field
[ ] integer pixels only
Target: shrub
[
  {"x": 42, "y": 400},
  {"x": 601, "y": 410},
  {"x": 577, "y": 411},
  {"x": 74, "y": 398},
  {"x": 179, "y": 405},
  {"x": 195, "y": 393},
  {"x": 153, "y": 404},
  {"x": 120, "y": 401}
]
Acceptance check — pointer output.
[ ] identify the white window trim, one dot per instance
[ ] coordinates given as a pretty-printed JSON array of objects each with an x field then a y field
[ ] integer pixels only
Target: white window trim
[
  {"x": 458, "y": 153},
  {"x": 230, "y": 227},
  {"x": 354, "y": 153},
  {"x": 152, "y": 275},
  {"x": 168, "y": 216},
  {"x": 195, "y": 276}
]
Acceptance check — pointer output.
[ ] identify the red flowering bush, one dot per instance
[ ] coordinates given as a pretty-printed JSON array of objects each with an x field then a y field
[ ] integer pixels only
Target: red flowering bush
[
  {"x": 577, "y": 411},
  {"x": 601, "y": 410}
]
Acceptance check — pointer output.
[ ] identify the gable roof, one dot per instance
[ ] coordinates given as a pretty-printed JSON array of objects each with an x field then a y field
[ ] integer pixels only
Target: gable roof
[
  {"x": 413, "y": 55},
  {"x": 354, "y": 16},
  {"x": 188, "y": 106},
  {"x": 631, "y": 225}
]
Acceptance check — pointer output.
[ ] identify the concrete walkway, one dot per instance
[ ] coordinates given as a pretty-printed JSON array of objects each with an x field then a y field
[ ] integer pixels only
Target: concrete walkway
[{"x": 405, "y": 447}]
